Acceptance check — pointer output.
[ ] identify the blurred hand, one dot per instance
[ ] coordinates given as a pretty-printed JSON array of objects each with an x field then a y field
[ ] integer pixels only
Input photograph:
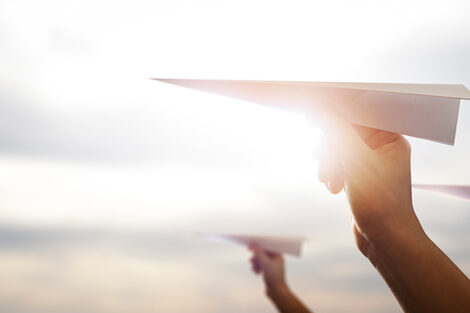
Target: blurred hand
[
  {"x": 271, "y": 265},
  {"x": 373, "y": 167}
]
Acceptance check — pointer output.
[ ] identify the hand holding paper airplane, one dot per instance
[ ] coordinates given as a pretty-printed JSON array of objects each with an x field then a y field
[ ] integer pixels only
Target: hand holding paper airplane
[
  {"x": 428, "y": 111},
  {"x": 372, "y": 163}
]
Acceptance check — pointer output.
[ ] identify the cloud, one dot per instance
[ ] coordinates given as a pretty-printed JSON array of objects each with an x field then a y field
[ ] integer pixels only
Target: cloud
[
  {"x": 57, "y": 269},
  {"x": 87, "y": 140}
]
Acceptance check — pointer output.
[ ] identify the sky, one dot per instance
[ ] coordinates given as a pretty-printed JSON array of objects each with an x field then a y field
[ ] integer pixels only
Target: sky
[{"x": 106, "y": 176}]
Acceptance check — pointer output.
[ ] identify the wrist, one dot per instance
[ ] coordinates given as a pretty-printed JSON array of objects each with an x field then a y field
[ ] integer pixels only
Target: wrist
[
  {"x": 277, "y": 291},
  {"x": 395, "y": 239}
]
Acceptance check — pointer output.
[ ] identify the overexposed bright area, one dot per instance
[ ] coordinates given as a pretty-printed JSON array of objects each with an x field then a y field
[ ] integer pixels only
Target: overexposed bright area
[{"x": 106, "y": 176}]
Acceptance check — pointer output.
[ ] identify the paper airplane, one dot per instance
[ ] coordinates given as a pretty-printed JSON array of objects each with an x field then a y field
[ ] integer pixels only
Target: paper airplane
[
  {"x": 428, "y": 111},
  {"x": 279, "y": 244},
  {"x": 459, "y": 191}
]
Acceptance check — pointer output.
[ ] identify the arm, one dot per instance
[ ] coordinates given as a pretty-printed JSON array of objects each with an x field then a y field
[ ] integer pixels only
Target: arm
[
  {"x": 271, "y": 265},
  {"x": 373, "y": 167}
]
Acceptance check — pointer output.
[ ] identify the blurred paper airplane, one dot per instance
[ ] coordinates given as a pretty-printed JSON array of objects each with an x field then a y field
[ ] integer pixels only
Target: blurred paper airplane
[
  {"x": 428, "y": 111},
  {"x": 459, "y": 191},
  {"x": 280, "y": 244}
]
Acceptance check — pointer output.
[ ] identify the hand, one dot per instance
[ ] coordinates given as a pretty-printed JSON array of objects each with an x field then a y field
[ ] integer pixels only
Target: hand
[
  {"x": 373, "y": 167},
  {"x": 271, "y": 265}
]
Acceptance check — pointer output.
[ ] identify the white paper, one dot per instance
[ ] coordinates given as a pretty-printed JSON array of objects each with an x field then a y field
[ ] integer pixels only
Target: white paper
[
  {"x": 459, "y": 191},
  {"x": 279, "y": 244},
  {"x": 427, "y": 111}
]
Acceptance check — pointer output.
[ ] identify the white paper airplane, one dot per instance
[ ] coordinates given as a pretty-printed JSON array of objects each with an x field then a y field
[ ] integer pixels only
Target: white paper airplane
[
  {"x": 428, "y": 111},
  {"x": 280, "y": 244},
  {"x": 459, "y": 191}
]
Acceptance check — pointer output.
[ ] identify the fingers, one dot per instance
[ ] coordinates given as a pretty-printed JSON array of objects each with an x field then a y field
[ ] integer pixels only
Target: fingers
[
  {"x": 345, "y": 140},
  {"x": 330, "y": 171},
  {"x": 376, "y": 138},
  {"x": 273, "y": 255},
  {"x": 365, "y": 132},
  {"x": 260, "y": 255},
  {"x": 255, "y": 265},
  {"x": 261, "y": 258},
  {"x": 336, "y": 183},
  {"x": 256, "y": 258}
]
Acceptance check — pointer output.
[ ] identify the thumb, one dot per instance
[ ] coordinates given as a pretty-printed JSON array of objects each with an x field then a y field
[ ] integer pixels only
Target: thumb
[
  {"x": 261, "y": 255},
  {"x": 344, "y": 139}
]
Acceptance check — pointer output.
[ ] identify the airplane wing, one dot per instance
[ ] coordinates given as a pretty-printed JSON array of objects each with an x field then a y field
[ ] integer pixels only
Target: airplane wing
[
  {"x": 428, "y": 111},
  {"x": 280, "y": 244}
]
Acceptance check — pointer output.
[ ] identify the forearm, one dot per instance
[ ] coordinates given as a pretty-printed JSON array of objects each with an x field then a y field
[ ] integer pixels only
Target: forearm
[
  {"x": 286, "y": 301},
  {"x": 421, "y": 276}
]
